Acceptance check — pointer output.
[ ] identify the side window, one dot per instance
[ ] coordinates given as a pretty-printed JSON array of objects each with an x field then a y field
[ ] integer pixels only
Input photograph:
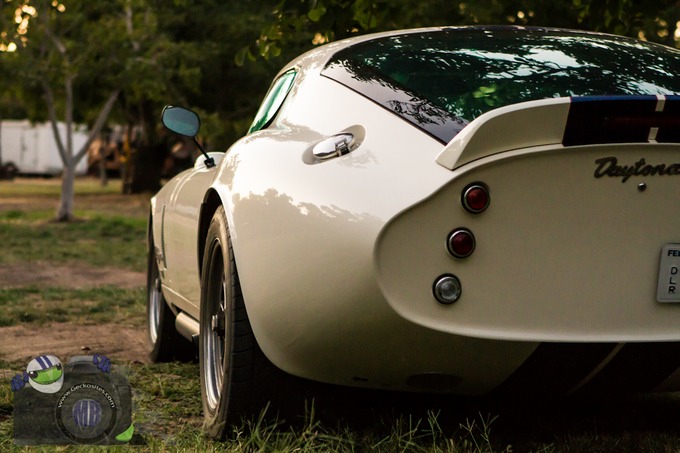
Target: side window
[{"x": 273, "y": 100}]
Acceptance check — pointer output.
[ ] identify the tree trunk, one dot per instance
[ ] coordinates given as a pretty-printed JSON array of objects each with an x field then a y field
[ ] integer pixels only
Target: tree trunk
[
  {"x": 65, "y": 210},
  {"x": 147, "y": 159},
  {"x": 146, "y": 169},
  {"x": 68, "y": 157},
  {"x": 102, "y": 148},
  {"x": 103, "y": 176},
  {"x": 0, "y": 141}
]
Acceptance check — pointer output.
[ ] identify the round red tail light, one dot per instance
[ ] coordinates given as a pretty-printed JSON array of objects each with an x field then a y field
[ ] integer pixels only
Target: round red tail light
[
  {"x": 476, "y": 198},
  {"x": 461, "y": 243}
]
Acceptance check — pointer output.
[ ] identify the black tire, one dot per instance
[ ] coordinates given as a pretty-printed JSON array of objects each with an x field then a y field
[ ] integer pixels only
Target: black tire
[
  {"x": 237, "y": 380},
  {"x": 166, "y": 343},
  {"x": 8, "y": 171}
]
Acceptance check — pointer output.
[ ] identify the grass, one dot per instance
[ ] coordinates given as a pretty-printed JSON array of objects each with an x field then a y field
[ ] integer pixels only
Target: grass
[
  {"x": 98, "y": 240},
  {"x": 111, "y": 230},
  {"x": 167, "y": 410},
  {"x": 34, "y": 304},
  {"x": 166, "y": 397}
]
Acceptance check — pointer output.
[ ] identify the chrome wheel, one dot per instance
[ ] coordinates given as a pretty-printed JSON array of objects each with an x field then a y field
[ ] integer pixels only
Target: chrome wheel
[
  {"x": 215, "y": 339},
  {"x": 237, "y": 380},
  {"x": 166, "y": 343},
  {"x": 155, "y": 299}
]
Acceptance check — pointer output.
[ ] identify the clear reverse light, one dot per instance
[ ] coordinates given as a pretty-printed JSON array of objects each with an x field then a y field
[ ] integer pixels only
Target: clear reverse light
[{"x": 447, "y": 289}]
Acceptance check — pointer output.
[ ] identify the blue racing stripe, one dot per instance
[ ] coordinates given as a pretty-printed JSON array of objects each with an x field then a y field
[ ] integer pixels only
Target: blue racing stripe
[{"x": 43, "y": 362}]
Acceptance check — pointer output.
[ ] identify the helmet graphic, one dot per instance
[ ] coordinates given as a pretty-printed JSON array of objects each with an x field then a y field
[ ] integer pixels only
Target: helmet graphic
[{"x": 45, "y": 373}]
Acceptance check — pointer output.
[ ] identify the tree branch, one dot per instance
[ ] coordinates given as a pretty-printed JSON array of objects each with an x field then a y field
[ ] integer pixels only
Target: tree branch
[
  {"x": 101, "y": 119},
  {"x": 49, "y": 98}
]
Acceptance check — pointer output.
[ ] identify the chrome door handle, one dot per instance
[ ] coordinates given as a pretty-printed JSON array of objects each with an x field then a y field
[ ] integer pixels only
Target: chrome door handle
[{"x": 335, "y": 146}]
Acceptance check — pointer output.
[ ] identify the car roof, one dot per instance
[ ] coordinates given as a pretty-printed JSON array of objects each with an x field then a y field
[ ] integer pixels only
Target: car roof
[
  {"x": 319, "y": 56},
  {"x": 438, "y": 83}
]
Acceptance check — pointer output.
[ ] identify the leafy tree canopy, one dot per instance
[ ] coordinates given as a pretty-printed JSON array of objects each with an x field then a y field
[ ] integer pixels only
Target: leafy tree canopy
[
  {"x": 320, "y": 21},
  {"x": 157, "y": 52}
]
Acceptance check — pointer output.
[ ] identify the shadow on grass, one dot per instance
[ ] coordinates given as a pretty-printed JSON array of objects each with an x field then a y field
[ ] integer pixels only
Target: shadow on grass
[{"x": 612, "y": 424}]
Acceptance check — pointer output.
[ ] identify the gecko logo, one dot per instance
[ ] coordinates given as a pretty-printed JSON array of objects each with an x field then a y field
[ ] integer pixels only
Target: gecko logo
[{"x": 609, "y": 166}]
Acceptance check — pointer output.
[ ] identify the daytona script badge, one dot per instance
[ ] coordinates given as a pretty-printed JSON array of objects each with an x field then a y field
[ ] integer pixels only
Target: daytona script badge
[{"x": 609, "y": 166}]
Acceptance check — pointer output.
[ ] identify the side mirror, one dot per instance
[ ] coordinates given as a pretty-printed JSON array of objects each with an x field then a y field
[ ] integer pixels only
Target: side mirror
[
  {"x": 181, "y": 121},
  {"x": 185, "y": 122}
]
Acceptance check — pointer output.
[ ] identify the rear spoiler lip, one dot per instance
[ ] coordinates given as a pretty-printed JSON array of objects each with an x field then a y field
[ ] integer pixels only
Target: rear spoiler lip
[{"x": 566, "y": 121}]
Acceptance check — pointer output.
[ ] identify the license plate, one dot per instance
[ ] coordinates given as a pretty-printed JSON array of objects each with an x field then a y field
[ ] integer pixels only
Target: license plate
[{"x": 668, "y": 289}]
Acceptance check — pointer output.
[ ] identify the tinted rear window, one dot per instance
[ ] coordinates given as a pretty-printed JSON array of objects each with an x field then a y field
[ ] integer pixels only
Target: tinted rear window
[{"x": 454, "y": 75}]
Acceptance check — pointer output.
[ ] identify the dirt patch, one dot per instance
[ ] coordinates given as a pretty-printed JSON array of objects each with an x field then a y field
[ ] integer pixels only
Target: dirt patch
[
  {"x": 74, "y": 276},
  {"x": 22, "y": 343},
  {"x": 25, "y": 341}
]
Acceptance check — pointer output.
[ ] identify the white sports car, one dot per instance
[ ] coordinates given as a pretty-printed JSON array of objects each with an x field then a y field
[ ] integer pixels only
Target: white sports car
[{"x": 459, "y": 210}]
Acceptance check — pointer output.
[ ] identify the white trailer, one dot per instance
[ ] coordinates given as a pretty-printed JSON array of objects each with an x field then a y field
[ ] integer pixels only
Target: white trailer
[{"x": 33, "y": 149}]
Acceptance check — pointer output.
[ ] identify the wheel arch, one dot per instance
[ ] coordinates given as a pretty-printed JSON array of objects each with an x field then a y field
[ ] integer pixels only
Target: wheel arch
[
  {"x": 150, "y": 233},
  {"x": 211, "y": 202},
  {"x": 149, "y": 229}
]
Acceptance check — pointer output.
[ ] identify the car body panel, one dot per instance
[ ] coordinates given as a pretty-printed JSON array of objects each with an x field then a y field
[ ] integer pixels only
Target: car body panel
[
  {"x": 508, "y": 128},
  {"x": 179, "y": 214},
  {"x": 544, "y": 269}
]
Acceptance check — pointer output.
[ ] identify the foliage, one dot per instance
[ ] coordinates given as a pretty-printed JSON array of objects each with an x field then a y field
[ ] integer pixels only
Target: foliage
[
  {"x": 152, "y": 52},
  {"x": 49, "y": 64},
  {"x": 320, "y": 21},
  {"x": 102, "y": 46}
]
